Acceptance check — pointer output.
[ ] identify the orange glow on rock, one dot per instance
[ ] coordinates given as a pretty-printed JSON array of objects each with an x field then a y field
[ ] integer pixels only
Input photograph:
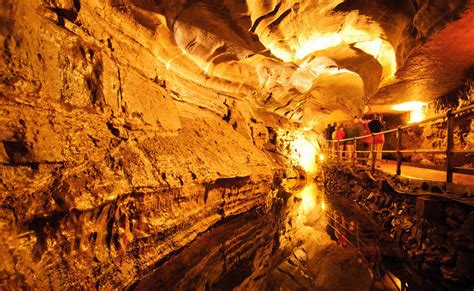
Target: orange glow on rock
[
  {"x": 408, "y": 106},
  {"x": 304, "y": 154},
  {"x": 417, "y": 115}
]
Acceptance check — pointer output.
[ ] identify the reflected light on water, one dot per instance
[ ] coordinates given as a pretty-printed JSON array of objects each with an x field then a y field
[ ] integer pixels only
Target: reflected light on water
[
  {"x": 312, "y": 206},
  {"x": 308, "y": 196}
]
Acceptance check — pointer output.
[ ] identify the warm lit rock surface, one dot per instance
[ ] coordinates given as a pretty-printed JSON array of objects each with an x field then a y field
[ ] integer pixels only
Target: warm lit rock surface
[
  {"x": 128, "y": 127},
  {"x": 437, "y": 66},
  {"x": 87, "y": 201},
  {"x": 293, "y": 58}
]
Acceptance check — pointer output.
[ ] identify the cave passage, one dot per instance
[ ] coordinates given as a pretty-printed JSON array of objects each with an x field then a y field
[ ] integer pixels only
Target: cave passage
[{"x": 237, "y": 145}]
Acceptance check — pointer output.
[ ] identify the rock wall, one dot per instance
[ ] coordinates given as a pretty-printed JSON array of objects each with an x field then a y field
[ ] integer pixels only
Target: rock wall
[
  {"x": 128, "y": 127},
  {"x": 103, "y": 174},
  {"x": 86, "y": 201},
  {"x": 434, "y": 234},
  {"x": 433, "y": 135}
]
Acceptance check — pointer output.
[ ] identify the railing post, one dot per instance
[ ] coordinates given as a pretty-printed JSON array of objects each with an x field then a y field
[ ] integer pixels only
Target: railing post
[
  {"x": 372, "y": 152},
  {"x": 354, "y": 153},
  {"x": 399, "y": 147},
  {"x": 449, "y": 146},
  {"x": 327, "y": 149}
]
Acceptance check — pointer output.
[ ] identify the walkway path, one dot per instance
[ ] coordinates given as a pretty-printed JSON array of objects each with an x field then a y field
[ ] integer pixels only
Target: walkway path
[{"x": 390, "y": 167}]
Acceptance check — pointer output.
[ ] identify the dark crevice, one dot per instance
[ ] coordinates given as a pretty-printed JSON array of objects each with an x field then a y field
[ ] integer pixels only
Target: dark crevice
[
  {"x": 258, "y": 20},
  {"x": 277, "y": 22}
]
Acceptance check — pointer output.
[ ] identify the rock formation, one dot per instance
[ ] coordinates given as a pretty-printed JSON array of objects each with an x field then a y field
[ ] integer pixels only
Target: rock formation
[{"x": 128, "y": 127}]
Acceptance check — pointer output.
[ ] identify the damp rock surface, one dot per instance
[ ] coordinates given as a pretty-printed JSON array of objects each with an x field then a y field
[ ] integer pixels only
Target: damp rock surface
[
  {"x": 89, "y": 201},
  {"x": 129, "y": 127}
]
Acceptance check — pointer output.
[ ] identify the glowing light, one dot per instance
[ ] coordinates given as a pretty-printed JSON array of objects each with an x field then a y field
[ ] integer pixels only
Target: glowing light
[
  {"x": 383, "y": 51},
  {"x": 308, "y": 198},
  {"x": 323, "y": 206},
  {"x": 304, "y": 153},
  {"x": 369, "y": 42},
  {"x": 322, "y": 157},
  {"x": 408, "y": 106},
  {"x": 318, "y": 43},
  {"x": 417, "y": 115},
  {"x": 396, "y": 280},
  {"x": 416, "y": 108},
  {"x": 308, "y": 71}
]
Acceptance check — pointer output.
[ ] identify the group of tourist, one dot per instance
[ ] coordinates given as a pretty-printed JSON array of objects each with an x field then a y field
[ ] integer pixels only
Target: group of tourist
[{"x": 359, "y": 127}]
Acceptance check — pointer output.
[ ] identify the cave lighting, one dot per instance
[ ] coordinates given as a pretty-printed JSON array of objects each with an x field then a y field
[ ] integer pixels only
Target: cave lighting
[
  {"x": 304, "y": 154},
  {"x": 323, "y": 206},
  {"x": 416, "y": 108},
  {"x": 417, "y": 115},
  {"x": 322, "y": 157},
  {"x": 408, "y": 106},
  {"x": 369, "y": 41},
  {"x": 318, "y": 43}
]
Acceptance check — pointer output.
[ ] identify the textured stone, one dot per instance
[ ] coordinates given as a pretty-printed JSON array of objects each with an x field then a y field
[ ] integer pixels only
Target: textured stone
[
  {"x": 75, "y": 192},
  {"x": 429, "y": 208},
  {"x": 127, "y": 128}
]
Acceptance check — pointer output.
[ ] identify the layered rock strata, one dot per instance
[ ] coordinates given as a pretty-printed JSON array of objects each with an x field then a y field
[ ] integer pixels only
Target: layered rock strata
[
  {"x": 87, "y": 201},
  {"x": 128, "y": 127}
]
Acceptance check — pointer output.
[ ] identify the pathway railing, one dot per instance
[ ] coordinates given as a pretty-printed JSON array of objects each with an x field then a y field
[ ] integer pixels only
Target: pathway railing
[
  {"x": 332, "y": 146},
  {"x": 353, "y": 239}
]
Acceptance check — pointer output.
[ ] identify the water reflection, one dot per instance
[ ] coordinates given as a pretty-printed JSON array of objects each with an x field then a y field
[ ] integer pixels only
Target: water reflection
[
  {"x": 308, "y": 196},
  {"x": 313, "y": 203},
  {"x": 345, "y": 230},
  {"x": 387, "y": 271},
  {"x": 304, "y": 242}
]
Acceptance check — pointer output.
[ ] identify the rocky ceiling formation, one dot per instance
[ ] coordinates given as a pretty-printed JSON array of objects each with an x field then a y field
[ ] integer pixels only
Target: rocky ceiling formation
[
  {"x": 297, "y": 59},
  {"x": 436, "y": 67},
  {"x": 128, "y": 127}
]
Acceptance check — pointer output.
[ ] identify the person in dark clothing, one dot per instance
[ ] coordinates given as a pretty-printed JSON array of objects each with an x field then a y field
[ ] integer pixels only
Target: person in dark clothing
[
  {"x": 358, "y": 126},
  {"x": 329, "y": 130},
  {"x": 375, "y": 126}
]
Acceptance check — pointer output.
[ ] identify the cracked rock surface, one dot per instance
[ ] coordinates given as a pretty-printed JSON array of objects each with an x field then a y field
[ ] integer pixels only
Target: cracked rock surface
[{"x": 128, "y": 127}]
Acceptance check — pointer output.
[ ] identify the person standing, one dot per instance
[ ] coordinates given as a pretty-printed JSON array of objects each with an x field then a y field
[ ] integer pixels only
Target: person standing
[
  {"x": 328, "y": 133},
  {"x": 339, "y": 136},
  {"x": 329, "y": 130},
  {"x": 349, "y": 132},
  {"x": 376, "y": 126},
  {"x": 365, "y": 143}
]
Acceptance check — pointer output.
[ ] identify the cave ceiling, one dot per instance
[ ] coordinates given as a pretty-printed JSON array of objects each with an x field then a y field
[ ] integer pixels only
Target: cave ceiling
[{"x": 302, "y": 60}]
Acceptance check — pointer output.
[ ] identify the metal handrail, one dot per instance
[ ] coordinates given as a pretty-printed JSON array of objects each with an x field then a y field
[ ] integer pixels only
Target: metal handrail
[
  {"x": 441, "y": 116},
  {"x": 359, "y": 242},
  {"x": 449, "y": 151}
]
